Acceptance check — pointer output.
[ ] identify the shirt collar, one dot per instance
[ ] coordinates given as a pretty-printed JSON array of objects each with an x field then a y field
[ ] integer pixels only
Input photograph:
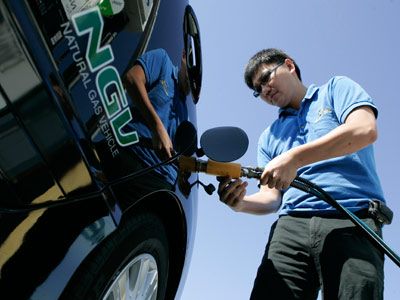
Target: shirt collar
[{"x": 311, "y": 90}]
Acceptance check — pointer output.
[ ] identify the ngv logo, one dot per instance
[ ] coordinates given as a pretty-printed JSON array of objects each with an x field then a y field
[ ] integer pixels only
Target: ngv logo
[{"x": 108, "y": 83}]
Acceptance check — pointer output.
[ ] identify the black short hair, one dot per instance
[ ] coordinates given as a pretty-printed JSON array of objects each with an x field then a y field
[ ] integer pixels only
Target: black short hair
[{"x": 266, "y": 56}]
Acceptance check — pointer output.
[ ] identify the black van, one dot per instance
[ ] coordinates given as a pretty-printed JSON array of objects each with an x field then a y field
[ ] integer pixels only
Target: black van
[{"x": 92, "y": 94}]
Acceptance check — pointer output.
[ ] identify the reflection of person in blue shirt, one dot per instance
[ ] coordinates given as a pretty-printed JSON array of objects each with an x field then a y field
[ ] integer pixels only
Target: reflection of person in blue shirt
[{"x": 158, "y": 90}]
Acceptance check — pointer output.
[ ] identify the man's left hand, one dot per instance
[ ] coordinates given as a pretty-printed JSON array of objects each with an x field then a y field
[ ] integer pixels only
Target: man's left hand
[{"x": 280, "y": 172}]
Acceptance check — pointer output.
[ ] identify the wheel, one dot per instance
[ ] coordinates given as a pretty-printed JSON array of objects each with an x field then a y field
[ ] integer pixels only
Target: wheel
[{"x": 131, "y": 264}]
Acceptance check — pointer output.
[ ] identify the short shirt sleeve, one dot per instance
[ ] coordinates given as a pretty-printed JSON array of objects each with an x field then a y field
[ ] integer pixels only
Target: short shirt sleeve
[
  {"x": 153, "y": 63},
  {"x": 347, "y": 95}
]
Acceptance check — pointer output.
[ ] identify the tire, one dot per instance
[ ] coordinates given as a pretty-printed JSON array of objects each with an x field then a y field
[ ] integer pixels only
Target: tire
[{"x": 133, "y": 262}]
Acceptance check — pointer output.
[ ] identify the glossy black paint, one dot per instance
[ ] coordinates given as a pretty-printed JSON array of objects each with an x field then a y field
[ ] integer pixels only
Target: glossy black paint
[{"x": 64, "y": 184}]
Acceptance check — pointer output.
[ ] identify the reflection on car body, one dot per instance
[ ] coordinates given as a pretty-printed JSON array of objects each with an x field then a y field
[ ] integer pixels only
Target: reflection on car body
[{"x": 85, "y": 202}]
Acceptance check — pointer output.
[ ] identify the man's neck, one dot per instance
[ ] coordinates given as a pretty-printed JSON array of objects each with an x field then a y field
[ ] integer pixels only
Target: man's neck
[{"x": 299, "y": 96}]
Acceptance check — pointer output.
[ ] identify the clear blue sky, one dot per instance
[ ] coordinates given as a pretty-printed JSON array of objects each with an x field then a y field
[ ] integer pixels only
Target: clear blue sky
[{"x": 357, "y": 38}]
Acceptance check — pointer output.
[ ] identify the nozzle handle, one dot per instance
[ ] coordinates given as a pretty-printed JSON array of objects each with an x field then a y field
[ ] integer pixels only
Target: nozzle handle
[{"x": 191, "y": 164}]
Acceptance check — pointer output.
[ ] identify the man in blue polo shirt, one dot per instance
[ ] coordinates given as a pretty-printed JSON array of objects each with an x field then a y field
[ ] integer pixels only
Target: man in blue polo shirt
[{"x": 323, "y": 134}]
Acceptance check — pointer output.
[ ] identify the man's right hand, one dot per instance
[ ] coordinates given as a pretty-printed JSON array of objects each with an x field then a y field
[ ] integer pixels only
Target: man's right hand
[
  {"x": 231, "y": 192},
  {"x": 162, "y": 143}
]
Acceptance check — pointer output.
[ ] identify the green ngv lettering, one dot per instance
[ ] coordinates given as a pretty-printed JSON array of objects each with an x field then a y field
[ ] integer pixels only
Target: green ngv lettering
[{"x": 108, "y": 81}]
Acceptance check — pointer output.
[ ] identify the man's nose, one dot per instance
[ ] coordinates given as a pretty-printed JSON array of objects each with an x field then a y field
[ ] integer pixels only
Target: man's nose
[{"x": 265, "y": 89}]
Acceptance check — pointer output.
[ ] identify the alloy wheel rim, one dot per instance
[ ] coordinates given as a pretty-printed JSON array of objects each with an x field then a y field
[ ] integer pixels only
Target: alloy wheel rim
[{"x": 138, "y": 280}]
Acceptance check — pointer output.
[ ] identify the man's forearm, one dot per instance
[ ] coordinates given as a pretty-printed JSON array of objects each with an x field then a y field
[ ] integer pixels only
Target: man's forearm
[
  {"x": 259, "y": 203},
  {"x": 136, "y": 87},
  {"x": 343, "y": 140}
]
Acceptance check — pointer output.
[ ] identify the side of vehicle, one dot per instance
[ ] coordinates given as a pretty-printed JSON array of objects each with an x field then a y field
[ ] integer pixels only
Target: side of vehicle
[{"x": 87, "y": 209}]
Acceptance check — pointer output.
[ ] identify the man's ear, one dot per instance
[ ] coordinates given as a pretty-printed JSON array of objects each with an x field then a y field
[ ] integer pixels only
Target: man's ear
[{"x": 291, "y": 66}]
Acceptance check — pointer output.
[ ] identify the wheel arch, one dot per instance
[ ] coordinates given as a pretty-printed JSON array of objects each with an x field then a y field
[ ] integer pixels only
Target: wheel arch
[{"x": 168, "y": 208}]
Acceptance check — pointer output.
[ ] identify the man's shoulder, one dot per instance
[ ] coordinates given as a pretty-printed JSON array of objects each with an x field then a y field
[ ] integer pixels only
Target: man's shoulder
[
  {"x": 337, "y": 85},
  {"x": 339, "y": 81},
  {"x": 155, "y": 56}
]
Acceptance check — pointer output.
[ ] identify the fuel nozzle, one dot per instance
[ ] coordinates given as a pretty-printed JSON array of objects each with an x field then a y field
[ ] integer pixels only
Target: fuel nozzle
[{"x": 251, "y": 172}]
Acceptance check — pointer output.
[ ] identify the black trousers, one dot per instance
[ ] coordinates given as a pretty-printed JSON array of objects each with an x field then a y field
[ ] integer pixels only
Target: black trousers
[{"x": 306, "y": 254}]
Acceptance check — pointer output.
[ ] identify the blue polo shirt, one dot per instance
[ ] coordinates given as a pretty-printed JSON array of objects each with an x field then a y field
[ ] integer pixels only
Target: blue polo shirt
[
  {"x": 352, "y": 180},
  {"x": 169, "y": 103},
  {"x": 162, "y": 88}
]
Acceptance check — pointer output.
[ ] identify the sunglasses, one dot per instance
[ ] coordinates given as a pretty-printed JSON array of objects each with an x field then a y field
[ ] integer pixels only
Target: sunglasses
[{"x": 264, "y": 79}]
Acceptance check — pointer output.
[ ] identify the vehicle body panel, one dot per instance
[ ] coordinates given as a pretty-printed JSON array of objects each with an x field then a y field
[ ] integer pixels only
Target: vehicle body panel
[{"x": 65, "y": 180}]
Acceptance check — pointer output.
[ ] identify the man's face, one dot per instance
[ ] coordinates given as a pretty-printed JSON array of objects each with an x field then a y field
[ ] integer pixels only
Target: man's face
[
  {"x": 274, "y": 83},
  {"x": 183, "y": 77}
]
